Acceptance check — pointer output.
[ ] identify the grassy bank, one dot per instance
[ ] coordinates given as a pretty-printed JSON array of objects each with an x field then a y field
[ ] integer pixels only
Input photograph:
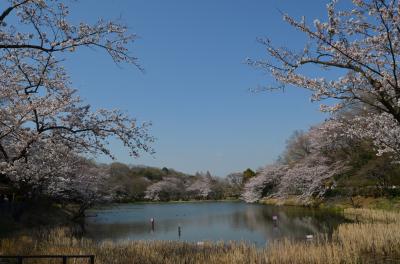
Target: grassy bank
[
  {"x": 373, "y": 237},
  {"x": 380, "y": 203}
]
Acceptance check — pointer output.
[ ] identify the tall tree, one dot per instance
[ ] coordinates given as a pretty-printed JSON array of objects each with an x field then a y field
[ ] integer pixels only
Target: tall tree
[
  {"x": 38, "y": 106},
  {"x": 363, "y": 43}
]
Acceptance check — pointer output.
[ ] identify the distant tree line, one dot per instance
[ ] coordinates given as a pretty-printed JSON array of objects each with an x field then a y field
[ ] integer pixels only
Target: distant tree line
[{"x": 133, "y": 183}]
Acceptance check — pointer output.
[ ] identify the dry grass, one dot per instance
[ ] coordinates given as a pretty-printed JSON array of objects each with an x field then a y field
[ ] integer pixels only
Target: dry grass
[
  {"x": 374, "y": 238},
  {"x": 372, "y": 216}
]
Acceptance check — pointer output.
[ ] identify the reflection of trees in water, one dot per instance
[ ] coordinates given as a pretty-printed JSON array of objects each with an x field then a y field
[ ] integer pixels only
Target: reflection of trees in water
[
  {"x": 141, "y": 229},
  {"x": 100, "y": 231},
  {"x": 257, "y": 219},
  {"x": 292, "y": 222},
  {"x": 124, "y": 230},
  {"x": 115, "y": 230}
]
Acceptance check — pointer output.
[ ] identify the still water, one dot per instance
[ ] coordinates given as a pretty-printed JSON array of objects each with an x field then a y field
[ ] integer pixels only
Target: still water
[{"x": 208, "y": 221}]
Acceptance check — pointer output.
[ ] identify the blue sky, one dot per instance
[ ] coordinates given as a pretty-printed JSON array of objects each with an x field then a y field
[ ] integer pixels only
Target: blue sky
[{"x": 196, "y": 87}]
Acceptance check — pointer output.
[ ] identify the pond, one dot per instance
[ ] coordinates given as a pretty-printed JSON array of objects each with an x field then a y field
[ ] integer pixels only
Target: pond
[{"x": 208, "y": 221}]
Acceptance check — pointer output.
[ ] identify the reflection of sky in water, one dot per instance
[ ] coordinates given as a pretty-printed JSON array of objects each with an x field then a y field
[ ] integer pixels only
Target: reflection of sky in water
[{"x": 214, "y": 221}]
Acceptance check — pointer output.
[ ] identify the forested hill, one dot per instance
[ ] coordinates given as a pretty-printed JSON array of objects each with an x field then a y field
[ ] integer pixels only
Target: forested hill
[{"x": 137, "y": 183}]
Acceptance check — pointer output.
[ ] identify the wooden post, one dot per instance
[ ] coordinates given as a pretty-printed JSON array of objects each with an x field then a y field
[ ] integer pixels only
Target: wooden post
[
  {"x": 91, "y": 259},
  {"x": 19, "y": 260},
  {"x": 152, "y": 223},
  {"x": 64, "y": 258}
]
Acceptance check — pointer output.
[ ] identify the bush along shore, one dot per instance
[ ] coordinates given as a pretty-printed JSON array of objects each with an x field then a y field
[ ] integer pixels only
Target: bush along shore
[{"x": 373, "y": 236}]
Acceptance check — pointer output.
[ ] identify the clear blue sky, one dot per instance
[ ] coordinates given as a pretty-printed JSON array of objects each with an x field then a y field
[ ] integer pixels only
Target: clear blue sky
[{"x": 195, "y": 89}]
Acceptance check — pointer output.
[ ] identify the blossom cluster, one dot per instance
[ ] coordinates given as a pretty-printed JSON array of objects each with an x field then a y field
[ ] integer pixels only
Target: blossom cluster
[{"x": 44, "y": 125}]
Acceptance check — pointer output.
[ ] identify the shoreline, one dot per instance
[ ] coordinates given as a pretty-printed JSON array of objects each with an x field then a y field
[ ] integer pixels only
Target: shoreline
[
  {"x": 341, "y": 203},
  {"x": 374, "y": 235},
  {"x": 168, "y": 202}
]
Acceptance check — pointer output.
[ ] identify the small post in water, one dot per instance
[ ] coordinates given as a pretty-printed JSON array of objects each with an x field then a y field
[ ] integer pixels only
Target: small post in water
[
  {"x": 152, "y": 223},
  {"x": 275, "y": 219}
]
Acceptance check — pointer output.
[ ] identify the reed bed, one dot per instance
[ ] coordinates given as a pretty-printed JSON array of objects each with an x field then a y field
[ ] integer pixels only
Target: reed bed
[
  {"x": 371, "y": 215},
  {"x": 373, "y": 238}
]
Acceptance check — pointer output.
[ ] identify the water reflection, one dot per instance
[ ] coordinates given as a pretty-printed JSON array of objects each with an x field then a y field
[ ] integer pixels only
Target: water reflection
[{"x": 208, "y": 221}]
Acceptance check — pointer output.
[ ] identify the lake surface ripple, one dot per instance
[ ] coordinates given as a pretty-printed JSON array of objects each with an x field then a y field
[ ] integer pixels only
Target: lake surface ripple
[{"x": 208, "y": 221}]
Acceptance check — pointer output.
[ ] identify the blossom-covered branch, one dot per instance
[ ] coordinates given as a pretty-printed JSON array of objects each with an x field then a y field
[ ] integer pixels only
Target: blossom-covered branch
[
  {"x": 363, "y": 45},
  {"x": 40, "y": 110}
]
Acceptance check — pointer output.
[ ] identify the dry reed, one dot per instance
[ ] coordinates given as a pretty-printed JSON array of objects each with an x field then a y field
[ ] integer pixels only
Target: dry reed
[{"x": 374, "y": 238}]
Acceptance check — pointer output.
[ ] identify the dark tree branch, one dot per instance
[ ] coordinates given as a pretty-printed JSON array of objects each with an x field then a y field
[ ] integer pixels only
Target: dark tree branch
[{"x": 10, "y": 9}]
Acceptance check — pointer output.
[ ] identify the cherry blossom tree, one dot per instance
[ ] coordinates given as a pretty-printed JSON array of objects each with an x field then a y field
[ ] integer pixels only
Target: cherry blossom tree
[
  {"x": 309, "y": 178},
  {"x": 84, "y": 184},
  {"x": 39, "y": 109},
  {"x": 200, "y": 187},
  {"x": 297, "y": 147},
  {"x": 234, "y": 184},
  {"x": 60, "y": 174},
  {"x": 45, "y": 166},
  {"x": 168, "y": 188},
  {"x": 264, "y": 183},
  {"x": 362, "y": 43},
  {"x": 308, "y": 168},
  {"x": 382, "y": 129}
]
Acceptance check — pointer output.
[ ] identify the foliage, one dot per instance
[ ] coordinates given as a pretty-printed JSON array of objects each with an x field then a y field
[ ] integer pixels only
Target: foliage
[
  {"x": 338, "y": 157},
  {"x": 362, "y": 44},
  {"x": 164, "y": 190},
  {"x": 201, "y": 186},
  {"x": 248, "y": 174},
  {"x": 297, "y": 147},
  {"x": 138, "y": 183},
  {"x": 305, "y": 170},
  {"x": 44, "y": 125},
  {"x": 127, "y": 184},
  {"x": 234, "y": 185},
  {"x": 264, "y": 183}
]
